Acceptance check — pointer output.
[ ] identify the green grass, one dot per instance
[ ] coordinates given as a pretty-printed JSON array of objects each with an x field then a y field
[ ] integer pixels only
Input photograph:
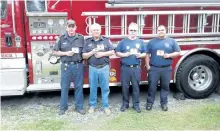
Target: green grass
[
  {"x": 199, "y": 117},
  {"x": 203, "y": 117}
]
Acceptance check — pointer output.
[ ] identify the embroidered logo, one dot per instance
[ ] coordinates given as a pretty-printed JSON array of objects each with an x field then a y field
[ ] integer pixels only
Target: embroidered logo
[
  {"x": 137, "y": 45},
  {"x": 167, "y": 45}
]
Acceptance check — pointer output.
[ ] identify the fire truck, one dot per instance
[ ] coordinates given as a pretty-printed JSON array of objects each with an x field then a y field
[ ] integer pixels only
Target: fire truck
[{"x": 30, "y": 28}]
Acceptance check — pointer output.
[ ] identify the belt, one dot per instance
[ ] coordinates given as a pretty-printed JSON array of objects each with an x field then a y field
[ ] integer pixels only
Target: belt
[
  {"x": 132, "y": 66},
  {"x": 161, "y": 66},
  {"x": 73, "y": 62},
  {"x": 98, "y": 66}
]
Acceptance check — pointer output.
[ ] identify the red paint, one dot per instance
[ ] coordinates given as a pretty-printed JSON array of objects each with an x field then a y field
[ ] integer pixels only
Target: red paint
[{"x": 74, "y": 9}]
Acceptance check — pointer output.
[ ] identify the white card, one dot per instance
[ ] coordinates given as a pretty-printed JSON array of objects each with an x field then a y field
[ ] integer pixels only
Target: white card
[
  {"x": 75, "y": 50},
  {"x": 100, "y": 47},
  {"x": 134, "y": 51},
  {"x": 160, "y": 52}
]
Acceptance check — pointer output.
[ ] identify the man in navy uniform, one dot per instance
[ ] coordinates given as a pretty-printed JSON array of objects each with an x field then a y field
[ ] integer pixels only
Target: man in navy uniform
[
  {"x": 160, "y": 52},
  {"x": 69, "y": 47},
  {"x": 97, "y": 50},
  {"x": 131, "y": 50}
]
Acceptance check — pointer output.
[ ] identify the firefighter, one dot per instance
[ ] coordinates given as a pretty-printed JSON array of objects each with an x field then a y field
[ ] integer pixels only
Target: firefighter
[
  {"x": 131, "y": 50},
  {"x": 69, "y": 47},
  {"x": 160, "y": 52},
  {"x": 97, "y": 50}
]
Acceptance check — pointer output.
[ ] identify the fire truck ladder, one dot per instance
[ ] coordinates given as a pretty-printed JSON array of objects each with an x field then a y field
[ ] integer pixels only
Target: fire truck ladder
[{"x": 202, "y": 27}]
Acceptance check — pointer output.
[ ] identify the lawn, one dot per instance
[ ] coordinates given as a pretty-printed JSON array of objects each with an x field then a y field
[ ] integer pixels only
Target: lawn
[{"x": 199, "y": 117}]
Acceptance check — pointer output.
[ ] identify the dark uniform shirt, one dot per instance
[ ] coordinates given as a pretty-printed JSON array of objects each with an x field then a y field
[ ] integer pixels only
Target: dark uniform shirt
[
  {"x": 65, "y": 43},
  {"x": 157, "y": 47},
  {"x": 132, "y": 46},
  {"x": 103, "y": 44}
]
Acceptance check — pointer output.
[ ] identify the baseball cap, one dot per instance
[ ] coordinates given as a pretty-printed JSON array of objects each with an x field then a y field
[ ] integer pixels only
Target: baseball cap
[{"x": 70, "y": 22}]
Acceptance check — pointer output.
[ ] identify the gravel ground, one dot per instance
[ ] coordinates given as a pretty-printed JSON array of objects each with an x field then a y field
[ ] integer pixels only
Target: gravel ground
[{"x": 33, "y": 106}]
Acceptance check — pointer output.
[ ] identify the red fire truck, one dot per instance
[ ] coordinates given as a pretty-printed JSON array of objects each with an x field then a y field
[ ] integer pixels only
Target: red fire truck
[{"x": 29, "y": 29}]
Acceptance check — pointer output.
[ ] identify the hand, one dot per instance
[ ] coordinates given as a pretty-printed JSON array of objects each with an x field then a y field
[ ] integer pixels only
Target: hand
[
  {"x": 147, "y": 68},
  {"x": 95, "y": 50},
  {"x": 138, "y": 55},
  {"x": 166, "y": 55},
  {"x": 98, "y": 54},
  {"x": 127, "y": 54},
  {"x": 69, "y": 53}
]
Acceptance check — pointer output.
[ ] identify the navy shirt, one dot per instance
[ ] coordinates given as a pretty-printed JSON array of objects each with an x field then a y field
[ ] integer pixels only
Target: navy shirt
[
  {"x": 157, "y": 47},
  {"x": 103, "y": 44},
  {"x": 127, "y": 45},
  {"x": 65, "y": 43}
]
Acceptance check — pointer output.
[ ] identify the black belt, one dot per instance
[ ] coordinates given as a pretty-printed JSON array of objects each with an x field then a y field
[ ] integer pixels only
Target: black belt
[
  {"x": 161, "y": 66},
  {"x": 132, "y": 66},
  {"x": 73, "y": 62},
  {"x": 98, "y": 66}
]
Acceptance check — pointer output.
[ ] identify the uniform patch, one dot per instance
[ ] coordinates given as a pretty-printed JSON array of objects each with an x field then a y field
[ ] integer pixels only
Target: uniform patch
[
  {"x": 127, "y": 47},
  {"x": 138, "y": 45},
  {"x": 160, "y": 52},
  {"x": 167, "y": 45},
  {"x": 133, "y": 51},
  {"x": 64, "y": 43}
]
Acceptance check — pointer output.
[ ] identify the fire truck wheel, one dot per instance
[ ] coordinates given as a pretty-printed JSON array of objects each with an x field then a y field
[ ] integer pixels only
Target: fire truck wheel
[{"x": 198, "y": 76}]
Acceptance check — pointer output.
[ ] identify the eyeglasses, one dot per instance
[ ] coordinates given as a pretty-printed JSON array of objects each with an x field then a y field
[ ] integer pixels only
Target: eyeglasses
[
  {"x": 133, "y": 30},
  {"x": 69, "y": 26},
  {"x": 161, "y": 30}
]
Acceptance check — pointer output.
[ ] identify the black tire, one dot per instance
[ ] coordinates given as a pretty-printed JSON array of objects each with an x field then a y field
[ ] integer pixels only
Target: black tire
[{"x": 205, "y": 69}]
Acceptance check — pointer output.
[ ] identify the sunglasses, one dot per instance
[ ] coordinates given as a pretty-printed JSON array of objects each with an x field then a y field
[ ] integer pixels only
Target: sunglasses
[
  {"x": 69, "y": 26},
  {"x": 133, "y": 30}
]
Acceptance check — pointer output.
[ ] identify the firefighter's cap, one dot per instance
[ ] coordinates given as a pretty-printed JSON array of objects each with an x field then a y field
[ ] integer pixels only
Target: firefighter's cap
[{"x": 70, "y": 22}]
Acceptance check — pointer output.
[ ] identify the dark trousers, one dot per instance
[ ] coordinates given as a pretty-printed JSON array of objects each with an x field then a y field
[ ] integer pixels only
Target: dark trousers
[
  {"x": 132, "y": 75},
  {"x": 155, "y": 75},
  {"x": 69, "y": 72}
]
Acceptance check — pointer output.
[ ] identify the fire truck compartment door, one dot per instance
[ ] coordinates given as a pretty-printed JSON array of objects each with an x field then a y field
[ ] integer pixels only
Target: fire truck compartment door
[
  {"x": 13, "y": 77},
  {"x": 13, "y": 81}
]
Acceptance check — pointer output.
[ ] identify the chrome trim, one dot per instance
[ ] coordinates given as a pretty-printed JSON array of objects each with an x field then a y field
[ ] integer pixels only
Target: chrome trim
[
  {"x": 25, "y": 4},
  {"x": 46, "y": 13},
  {"x": 161, "y": 5},
  {"x": 210, "y": 39},
  {"x": 13, "y": 16},
  {"x": 117, "y": 13},
  {"x": 155, "y": 35},
  {"x": 189, "y": 53}
]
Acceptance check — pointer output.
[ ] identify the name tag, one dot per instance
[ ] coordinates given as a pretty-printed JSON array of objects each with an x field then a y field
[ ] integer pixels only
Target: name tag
[
  {"x": 100, "y": 47},
  {"x": 160, "y": 52},
  {"x": 75, "y": 50},
  {"x": 134, "y": 51}
]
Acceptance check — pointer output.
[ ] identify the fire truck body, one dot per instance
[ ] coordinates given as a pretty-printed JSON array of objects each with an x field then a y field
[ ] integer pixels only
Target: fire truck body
[{"x": 29, "y": 30}]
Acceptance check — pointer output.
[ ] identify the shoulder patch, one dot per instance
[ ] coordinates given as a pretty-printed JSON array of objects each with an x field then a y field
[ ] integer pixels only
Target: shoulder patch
[{"x": 58, "y": 38}]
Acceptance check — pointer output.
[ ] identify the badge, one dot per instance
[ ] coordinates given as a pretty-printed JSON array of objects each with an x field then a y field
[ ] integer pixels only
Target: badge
[
  {"x": 101, "y": 47},
  {"x": 167, "y": 45},
  {"x": 127, "y": 47},
  {"x": 133, "y": 51},
  {"x": 64, "y": 43},
  {"x": 160, "y": 52},
  {"x": 75, "y": 50},
  {"x": 137, "y": 45}
]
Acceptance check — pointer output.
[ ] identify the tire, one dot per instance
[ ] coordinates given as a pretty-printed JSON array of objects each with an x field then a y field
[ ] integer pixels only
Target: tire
[{"x": 198, "y": 76}]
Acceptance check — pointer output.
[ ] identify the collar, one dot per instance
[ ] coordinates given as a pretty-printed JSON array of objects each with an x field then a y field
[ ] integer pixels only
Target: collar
[
  {"x": 66, "y": 35},
  {"x": 101, "y": 38}
]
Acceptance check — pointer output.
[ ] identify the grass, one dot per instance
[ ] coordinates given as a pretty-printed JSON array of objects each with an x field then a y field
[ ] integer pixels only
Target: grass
[
  {"x": 203, "y": 117},
  {"x": 199, "y": 117}
]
